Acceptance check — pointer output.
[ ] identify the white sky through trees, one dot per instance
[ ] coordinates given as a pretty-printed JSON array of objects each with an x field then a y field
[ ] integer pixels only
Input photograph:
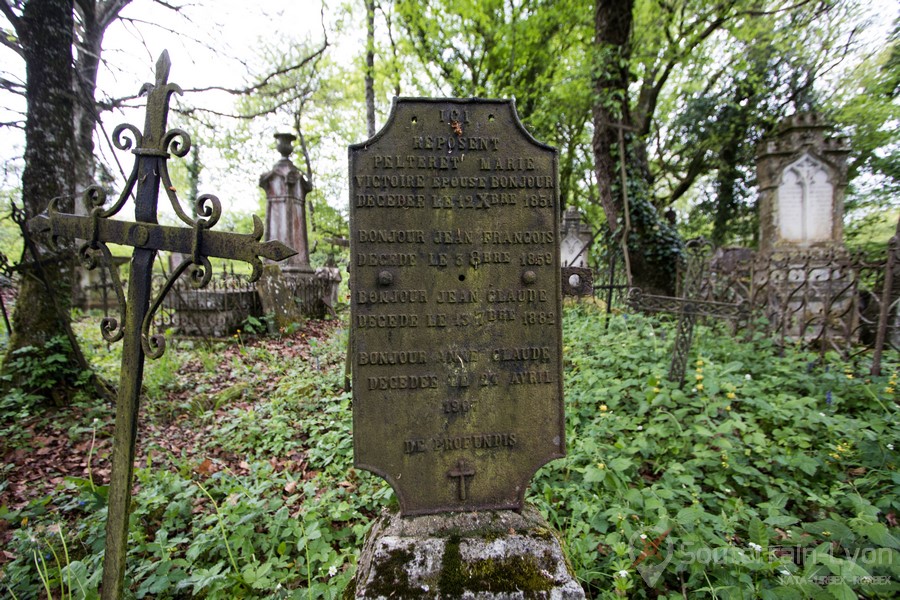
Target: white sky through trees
[{"x": 216, "y": 43}]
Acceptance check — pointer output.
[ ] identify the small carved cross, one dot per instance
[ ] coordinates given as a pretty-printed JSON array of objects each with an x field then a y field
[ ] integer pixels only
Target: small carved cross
[{"x": 462, "y": 471}]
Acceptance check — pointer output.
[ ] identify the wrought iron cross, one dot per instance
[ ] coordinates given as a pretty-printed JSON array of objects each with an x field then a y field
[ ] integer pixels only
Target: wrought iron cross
[
  {"x": 152, "y": 149},
  {"x": 688, "y": 307}
]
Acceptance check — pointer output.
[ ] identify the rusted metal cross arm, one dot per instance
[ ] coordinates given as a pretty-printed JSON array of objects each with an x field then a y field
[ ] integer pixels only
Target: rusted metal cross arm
[
  {"x": 700, "y": 308},
  {"x": 150, "y": 236}
]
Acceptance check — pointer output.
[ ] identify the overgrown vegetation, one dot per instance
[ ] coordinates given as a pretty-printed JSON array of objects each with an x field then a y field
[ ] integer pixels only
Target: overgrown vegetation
[{"x": 768, "y": 476}]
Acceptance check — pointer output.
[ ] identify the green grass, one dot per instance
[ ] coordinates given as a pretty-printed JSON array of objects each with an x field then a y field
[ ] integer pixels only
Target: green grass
[{"x": 759, "y": 455}]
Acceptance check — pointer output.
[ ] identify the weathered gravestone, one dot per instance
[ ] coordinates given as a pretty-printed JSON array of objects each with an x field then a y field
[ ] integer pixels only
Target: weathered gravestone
[
  {"x": 456, "y": 344},
  {"x": 802, "y": 174}
]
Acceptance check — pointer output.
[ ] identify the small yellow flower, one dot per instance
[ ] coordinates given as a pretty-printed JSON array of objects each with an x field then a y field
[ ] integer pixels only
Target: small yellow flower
[
  {"x": 601, "y": 466},
  {"x": 603, "y": 408},
  {"x": 888, "y": 390},
  {"x": 728, "y": 407},
  {"x": 731, "y": 395},
  {"x": 699, "y": 363},
  {"x": 849, "y": 375},
  {"x": 699, "y": 387},
  {"x": 656, "y": 389},
  {"x": 699, "y": 377}
]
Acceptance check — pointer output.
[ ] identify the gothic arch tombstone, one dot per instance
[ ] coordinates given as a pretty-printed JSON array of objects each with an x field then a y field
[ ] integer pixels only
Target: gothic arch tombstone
[{"x": 805, "y": 202}]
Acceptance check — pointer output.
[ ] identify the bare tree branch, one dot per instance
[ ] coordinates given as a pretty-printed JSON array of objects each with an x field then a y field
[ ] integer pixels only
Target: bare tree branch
[
  {"x": 242, "y": 117},
  {"x": 169, "y": 6},
  {"x": 12, "y": 86},
  {"x": 109, "y": 11},
  {"x": 12, "y": 45},
  {"x": 14, "y": 20},
  {"x": 264, "y": 82},
  {"x": 764, "y": 13}
]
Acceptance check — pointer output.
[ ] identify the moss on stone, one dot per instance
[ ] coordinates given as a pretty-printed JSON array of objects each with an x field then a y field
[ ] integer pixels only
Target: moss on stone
[
  {"x": 391, "y": 579},
  {"x": 512, "y": 574}
]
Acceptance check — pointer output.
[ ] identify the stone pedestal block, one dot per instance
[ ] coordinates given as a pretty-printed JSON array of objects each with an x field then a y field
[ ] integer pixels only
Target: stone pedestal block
[{"x": 480, "y": 555}]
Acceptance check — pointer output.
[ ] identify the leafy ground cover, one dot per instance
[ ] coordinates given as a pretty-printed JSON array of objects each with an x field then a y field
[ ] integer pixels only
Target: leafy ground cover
[{"x": 767, "y": 476}]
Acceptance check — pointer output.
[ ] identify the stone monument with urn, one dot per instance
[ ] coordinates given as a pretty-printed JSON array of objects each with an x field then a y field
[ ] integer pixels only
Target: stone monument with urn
[{"x": 286, "y": 188}]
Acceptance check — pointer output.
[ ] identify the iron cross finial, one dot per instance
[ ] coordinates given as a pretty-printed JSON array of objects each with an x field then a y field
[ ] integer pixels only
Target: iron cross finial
[{"x": 158, "y": 94}]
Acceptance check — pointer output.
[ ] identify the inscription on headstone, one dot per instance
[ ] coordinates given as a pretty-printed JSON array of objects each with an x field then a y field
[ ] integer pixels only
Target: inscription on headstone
[{"x": 455, "y": 283}]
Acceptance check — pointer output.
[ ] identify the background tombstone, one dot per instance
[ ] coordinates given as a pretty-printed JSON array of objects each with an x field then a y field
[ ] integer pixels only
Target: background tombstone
[
  {"x": 802, "y": 177},
  {"x": 456, "y": 348},
  {"x": 286, "y": 188},
  {"x": 576, "y": 239},
  {"x": 330, "y": 275}
]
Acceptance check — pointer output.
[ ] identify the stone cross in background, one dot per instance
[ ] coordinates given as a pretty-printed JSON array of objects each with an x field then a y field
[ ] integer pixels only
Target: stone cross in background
[{"x": 197, "y": 242}]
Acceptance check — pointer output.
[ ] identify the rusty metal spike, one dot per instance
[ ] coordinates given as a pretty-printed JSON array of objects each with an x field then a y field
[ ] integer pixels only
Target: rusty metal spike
[{"x": 163, "y": 66}]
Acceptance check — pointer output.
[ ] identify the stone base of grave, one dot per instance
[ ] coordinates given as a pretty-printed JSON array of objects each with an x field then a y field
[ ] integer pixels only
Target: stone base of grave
[
  {"x": 479, "y": 555},
  {"x": 276, "y": 294}
]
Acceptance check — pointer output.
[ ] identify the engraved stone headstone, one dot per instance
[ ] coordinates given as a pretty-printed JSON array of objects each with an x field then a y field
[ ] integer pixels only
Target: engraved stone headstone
[
  {"x": 805, "y": 202},
  {"x": 456, "y": 333},
  {"x": 802, "y": 175}
]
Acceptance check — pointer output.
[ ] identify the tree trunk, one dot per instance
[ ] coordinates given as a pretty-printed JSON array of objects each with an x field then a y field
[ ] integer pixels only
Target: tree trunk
[
  {"x": 45, "y": 291},
  {"x": 612, "y": 36},
  {"x": 95, "y": 19},
  {"x": 726, "y": 195},
  {"x": 654, "y": 246},
  {"x": 85, "y": 112}
]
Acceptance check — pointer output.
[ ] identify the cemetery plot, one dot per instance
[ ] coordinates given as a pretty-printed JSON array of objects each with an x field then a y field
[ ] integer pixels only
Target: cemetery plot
[{"x": 455, "y": 283}]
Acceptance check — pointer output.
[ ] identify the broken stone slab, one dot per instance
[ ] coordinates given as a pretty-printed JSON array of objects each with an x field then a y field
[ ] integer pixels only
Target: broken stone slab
[{"x": 488, "y": 555}]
